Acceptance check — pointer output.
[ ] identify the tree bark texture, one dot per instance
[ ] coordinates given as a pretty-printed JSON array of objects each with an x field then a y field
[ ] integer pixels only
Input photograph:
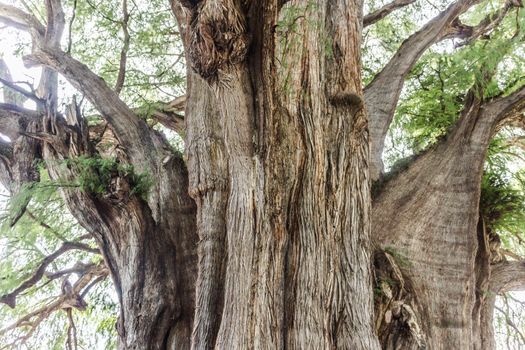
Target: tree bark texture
[
  {"x": 264, "y": 240},
  {"x": 152, "y": 259},
  {"x": 278, "y": 157},
  {"x": 427, "y": 216}
]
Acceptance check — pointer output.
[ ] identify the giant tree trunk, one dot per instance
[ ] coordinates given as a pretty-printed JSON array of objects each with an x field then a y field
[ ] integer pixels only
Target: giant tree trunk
[
  {"x": 279, "y": 170},
  {"x": 152, "y": 258},
  {"x": 426, "y": 218}
]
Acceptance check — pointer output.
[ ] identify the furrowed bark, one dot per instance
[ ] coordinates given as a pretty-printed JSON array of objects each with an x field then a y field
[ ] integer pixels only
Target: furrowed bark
[
  {"x": 152, "y": 260},
  {"x": 149, "y": 245},
  {"x": 382, "y": 94},
  {"x": 292, "y": 142},
  {"x": 429, "y": 215}
]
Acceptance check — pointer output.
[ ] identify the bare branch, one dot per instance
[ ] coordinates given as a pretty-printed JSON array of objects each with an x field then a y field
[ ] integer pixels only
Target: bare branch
[
  {"x": 382, "y": 94},
  {"x": 509, "y": 322},
  {"x": 384, "y": 11},
  {"x": 11, "y": 93},
  {"x": 79, "y": 268},
  {"x": 484, "y": 28},
  {"x": 130, "y": 130},
  {"x": 17, "y": 18},
  {"x": 36, "y": 317},
  {"x": 19, "y": 91},
  {"x": 124, "y": 52},
  {"x": 10, "y": 299},
  {"x": 70, "y": 27}
]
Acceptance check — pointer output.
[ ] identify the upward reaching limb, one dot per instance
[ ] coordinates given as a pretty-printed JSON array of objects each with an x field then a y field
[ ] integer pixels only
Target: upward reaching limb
[{"x": 382, "y": 94}]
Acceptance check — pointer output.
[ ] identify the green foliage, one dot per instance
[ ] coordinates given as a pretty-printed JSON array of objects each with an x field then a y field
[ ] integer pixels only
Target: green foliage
[
  {"x": 45, "y": 225},
  {"x": 502, "y": 202},
  {"x": 95, "y": 175}
]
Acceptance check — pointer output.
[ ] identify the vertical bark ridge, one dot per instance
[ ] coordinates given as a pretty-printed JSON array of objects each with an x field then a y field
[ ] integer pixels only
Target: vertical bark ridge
[
  {"x": 208, "y": 168},
  {"x": 238, "y": 120},
  {"x": 296, "y": 150},
  {"x": 482, "y": 276}
]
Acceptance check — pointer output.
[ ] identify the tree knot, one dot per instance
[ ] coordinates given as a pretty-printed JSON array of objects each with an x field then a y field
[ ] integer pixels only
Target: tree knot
[{"x": 219, "y": 38}]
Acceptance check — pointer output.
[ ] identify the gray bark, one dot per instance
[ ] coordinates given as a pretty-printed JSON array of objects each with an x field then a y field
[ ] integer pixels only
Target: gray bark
[
  {"x": 429, "y": 213},
  {"x": 382, "y": 93}
]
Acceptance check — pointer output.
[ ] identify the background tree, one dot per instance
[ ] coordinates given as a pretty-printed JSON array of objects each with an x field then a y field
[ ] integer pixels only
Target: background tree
[{"x": 276, "y": 152}]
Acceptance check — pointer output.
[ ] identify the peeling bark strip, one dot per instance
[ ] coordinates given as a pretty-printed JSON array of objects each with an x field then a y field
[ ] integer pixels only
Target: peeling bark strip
[{"x": 283, "y": 159}]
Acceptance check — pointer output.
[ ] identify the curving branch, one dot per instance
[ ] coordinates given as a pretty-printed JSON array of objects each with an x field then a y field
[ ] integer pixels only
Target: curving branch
[
  {"x": 507, "y": 276},
  {"x": 384, "y": 11},
  {"x": 508, "y": 109},
  {"x": 132, "y": 132},
  {"x": 489, "y": 23},
  {"x": 10, "y": 298},
  {"x": 64, "y": 301},
  {"x": 17, "y": 18},
  {"x": 13, "y": 94},
  {"x": 382, "y": 94}
]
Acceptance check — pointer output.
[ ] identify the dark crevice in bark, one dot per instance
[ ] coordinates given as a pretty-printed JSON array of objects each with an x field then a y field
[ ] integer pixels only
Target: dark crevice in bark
[{"x": 265, "y": 139}]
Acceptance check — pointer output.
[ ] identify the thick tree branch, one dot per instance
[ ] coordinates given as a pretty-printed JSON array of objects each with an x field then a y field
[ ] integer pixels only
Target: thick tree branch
[
  {"x": 507, "y": 276},
  {"x": 382, "y": 94},
  {"x": 508, "y": 109},
  {"x": 384, "y": 11},
  {"x": 131, "y": 132},
  {"x": 14, "y": 119},
  {"x": 490, "y": 22},
  {"x": 168, "y": 114},
  {"x": 10, "y": 299},
  {"x": 17, "y": 18}
]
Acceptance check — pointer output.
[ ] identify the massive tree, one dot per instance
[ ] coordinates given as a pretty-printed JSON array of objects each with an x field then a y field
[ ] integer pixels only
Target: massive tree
[{"x": 265, "y": 234}]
